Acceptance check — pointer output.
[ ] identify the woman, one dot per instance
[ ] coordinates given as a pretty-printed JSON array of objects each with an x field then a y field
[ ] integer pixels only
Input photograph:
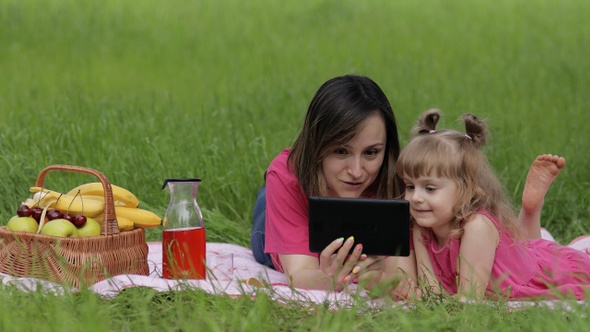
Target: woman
[{"x": 347, "y": 148}]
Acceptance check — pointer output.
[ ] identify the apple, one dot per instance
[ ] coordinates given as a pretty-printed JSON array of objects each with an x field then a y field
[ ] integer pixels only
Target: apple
[
  {"x": 22, "y": 224},
  {"x": 59, "y": 227},
  {"x": 90, "y": 228}
]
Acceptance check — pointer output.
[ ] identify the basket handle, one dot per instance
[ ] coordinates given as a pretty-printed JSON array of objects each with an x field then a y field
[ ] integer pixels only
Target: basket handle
[{"x": 109, "y": 224}]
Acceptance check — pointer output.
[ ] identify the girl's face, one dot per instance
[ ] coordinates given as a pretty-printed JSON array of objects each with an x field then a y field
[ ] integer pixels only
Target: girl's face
[
  {"x": 351, "y": 168},
  {"x": 432, "y": 201}
]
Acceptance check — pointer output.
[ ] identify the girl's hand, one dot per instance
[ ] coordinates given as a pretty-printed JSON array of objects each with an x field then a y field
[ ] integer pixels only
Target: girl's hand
[
  {"x": 336, "y": 262},
  {"x": 369, "y": 271}
]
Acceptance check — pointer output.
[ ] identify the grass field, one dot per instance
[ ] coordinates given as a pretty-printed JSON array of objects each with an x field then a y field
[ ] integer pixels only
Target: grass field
[{"x": 145, "y": 90}]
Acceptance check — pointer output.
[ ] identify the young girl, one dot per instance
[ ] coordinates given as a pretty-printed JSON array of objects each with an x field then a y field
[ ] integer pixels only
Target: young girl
[{"x": 467, "y": 239}]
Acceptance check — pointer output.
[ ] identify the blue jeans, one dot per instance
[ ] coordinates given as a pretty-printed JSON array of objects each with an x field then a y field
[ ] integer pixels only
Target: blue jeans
[{"x": 258, "y": 229}]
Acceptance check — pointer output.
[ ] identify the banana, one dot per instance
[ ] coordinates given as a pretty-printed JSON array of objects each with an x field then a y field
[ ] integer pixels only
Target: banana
[
  {"x": 124, "y": 223},
  {"x": 140, "y": 217},
  {"x": 68, "y": 203},
  {"x": 101, "y": 198},
  {"x": 120, "y": 194}
]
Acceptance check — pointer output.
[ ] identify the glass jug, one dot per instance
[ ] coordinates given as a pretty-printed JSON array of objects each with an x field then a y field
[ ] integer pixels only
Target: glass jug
[{"x": 183, "y": 235}]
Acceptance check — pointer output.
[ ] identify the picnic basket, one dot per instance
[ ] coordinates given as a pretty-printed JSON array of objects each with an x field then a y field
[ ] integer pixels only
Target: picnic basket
[{"x": 75, "y": 261}]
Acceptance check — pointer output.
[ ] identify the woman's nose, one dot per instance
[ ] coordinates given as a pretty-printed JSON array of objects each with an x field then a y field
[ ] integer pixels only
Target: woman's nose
[{"x": 355, "y": 167}]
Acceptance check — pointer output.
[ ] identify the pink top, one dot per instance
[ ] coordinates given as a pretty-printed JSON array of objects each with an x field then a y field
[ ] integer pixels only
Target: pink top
[
  {"x": 531, "y": 269},
  {"x": 287, "y": 222}
]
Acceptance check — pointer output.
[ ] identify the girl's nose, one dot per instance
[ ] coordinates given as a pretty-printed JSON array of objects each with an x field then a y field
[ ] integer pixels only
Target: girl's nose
[{"x": 415, "y": 196}]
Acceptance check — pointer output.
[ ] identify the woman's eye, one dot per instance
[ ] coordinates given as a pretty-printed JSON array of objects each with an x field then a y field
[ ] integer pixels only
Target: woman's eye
[{"x": 340, "y": 151}]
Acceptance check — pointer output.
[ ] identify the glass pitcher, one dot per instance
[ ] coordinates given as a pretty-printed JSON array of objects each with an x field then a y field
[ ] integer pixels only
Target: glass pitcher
[{"x": 183, "y": 235}]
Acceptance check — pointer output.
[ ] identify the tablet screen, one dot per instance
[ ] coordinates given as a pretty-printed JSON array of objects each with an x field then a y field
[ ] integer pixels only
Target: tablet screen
[{"x": 381, "y": 226}]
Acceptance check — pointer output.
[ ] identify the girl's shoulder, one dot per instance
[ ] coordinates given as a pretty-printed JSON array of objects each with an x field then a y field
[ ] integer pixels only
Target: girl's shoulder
[{"x": 483, "y": 225}]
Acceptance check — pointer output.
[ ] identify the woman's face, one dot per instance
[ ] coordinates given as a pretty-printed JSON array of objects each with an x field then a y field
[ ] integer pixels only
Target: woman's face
[{"x": 351, "y": 168}]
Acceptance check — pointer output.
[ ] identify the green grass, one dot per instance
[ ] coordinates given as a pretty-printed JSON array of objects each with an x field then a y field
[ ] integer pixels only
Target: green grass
[{"x": 145, "y": 90}]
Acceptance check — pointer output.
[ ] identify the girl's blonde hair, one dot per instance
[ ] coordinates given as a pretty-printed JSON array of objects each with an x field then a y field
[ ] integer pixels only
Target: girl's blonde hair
[{"x": 457, "y": 156}]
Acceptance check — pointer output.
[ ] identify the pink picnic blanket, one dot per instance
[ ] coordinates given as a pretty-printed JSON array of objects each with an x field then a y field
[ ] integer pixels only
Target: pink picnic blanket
[{"x": 232, "y": 271}]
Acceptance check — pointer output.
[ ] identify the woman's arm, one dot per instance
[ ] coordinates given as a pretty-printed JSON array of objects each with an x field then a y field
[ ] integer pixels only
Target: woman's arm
[
  {"x": 332, "y": 272},
  {"x": 476, "y": 256}
]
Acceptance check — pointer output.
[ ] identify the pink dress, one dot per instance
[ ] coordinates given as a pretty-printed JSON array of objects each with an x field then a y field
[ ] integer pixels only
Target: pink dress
[{"x": 533, "y": 269}]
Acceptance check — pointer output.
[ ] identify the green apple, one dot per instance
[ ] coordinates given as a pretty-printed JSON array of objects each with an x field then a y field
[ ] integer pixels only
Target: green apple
[
  {"x": 22, "y": 224},
  {"x": 90, "y": 228},
  {"x": 59, "y": 227}
]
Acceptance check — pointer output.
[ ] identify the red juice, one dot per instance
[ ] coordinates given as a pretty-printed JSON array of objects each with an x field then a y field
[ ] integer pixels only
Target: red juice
[{"x": 183, "y": 253}]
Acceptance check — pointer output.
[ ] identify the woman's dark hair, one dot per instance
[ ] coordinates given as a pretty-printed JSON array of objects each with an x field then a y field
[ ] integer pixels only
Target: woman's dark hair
[{"x": 338, "y": 108}]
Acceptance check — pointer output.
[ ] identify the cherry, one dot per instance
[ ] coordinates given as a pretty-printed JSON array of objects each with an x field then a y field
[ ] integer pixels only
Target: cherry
[
  {"x": 24, "y": 211},
  {"x": 54, "y": 214},
  {"x": 79, "y": 220},
  {"x": 68, "y": 217},
  {"x": 36, "y": 213}
]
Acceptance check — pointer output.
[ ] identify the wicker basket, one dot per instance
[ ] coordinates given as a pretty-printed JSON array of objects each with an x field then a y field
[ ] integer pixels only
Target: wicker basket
[{"x": 78, "y": 261}]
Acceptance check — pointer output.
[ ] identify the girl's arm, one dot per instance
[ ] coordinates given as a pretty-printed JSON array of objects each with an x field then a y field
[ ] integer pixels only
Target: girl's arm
[
  {"x": 426, "y": 278},
  {"x": 401, "y": 272},
  {"x": 476, "y": 256}
]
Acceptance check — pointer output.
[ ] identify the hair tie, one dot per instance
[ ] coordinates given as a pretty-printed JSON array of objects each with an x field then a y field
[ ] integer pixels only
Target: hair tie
[
  {"x": 432, "y": 132},
  {"x": 467, "y": 135}
]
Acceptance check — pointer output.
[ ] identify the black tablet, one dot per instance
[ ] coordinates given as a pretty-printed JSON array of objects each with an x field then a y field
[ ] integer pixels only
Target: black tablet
[{"x": 381, "y": 225}]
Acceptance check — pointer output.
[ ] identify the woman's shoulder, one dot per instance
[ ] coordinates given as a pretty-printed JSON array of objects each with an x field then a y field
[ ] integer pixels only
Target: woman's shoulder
[
  {"x": 279, "y": 163},
  {"x": 279, "y": 171}
]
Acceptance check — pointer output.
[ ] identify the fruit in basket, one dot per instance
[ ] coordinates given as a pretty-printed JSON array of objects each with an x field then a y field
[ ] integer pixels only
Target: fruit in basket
[
  {"x": 54, "y": 214},
  {"x": 59, "y": 227},
  {"x": 125, "y": 224},
  {"x": 24, "y": 211},
  {"x": 94, "y": 190},
  {"x": 73, "y": 204},
  {"x": 141, "y": 217},
  {"x": 90, "y": 228},
  {"x": 36, "y": 214},
  {"x": 69, "y": 217},
  {"x": 79, "y": 220},
  {"x": 22, "y": 224}
]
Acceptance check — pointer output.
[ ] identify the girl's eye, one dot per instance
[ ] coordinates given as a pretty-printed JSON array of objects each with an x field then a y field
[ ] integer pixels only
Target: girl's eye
[
  {"x": 409, "y": 187},
  {"x": 430, "y": 189}
]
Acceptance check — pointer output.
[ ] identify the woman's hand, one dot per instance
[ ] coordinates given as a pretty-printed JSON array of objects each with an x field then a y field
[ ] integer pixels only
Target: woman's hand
[{"x": 335, "y": 261}]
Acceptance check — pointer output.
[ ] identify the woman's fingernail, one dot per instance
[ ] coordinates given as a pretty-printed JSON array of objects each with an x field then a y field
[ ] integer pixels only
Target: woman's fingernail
[
  {"x": 346, "y": 279},
  {"x": 363, "y": 257},
  {"x": 340, "y": 239},
  {"x": 359, "y": 247},
  {"x": 350, "y": 239},
  {"x": 356, "y": 269}
]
